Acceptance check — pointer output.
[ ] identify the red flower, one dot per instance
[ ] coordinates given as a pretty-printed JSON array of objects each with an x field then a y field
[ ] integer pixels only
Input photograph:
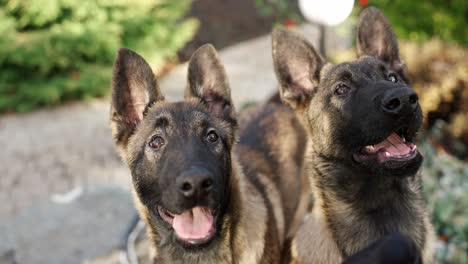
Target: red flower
[
  {"x": 289, "y": 22},
  {"x": 363, "y": 3}
]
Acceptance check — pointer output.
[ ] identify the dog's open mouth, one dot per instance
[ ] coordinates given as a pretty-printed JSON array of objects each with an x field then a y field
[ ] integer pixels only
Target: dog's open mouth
[
  {"x": 393, "y": 148},
  {"x": 195, "y": 226}
]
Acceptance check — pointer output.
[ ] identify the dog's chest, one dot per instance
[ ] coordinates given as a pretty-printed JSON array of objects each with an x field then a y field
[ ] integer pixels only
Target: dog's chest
[
  {"x": 356, "y": 231},
  {"x": 212, "y": 257}
]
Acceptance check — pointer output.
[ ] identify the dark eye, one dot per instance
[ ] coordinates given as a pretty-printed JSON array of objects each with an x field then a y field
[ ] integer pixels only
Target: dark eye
[
  {"x": 212, "y": 136},
  {"x": 393, "y": 78},
  {"x": 342, "y": 89},
  {"x": 156, "y": 142}
]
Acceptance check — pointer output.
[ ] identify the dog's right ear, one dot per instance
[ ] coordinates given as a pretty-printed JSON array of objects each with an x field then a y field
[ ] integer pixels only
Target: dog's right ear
[
  {"x": 297, "y": 67},
  {"x": 134, "y": 90}
]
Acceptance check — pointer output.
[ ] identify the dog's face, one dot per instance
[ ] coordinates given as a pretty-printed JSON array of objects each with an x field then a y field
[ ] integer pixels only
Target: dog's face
[
  {"x": 360, "y": 112},
  {"x": 179, "y": 153}
]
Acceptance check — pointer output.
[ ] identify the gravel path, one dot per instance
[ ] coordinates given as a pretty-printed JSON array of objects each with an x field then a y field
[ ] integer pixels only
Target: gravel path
[{"x": 53, "y": 151}]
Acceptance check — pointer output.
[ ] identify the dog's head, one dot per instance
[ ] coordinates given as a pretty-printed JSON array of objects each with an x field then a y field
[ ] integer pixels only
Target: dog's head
[
  {"x": 361, "y": 112},
  {"x": 179, "y": 153}
]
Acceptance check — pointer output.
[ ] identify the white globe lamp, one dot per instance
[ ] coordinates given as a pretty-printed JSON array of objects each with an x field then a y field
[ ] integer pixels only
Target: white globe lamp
[{"x": 326, "y": 12}]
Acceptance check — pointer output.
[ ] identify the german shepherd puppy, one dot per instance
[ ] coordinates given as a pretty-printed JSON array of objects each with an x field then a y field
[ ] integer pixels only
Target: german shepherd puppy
[
  {"x": 199, "y": 203},
  {"x": 361, "y": 118}
]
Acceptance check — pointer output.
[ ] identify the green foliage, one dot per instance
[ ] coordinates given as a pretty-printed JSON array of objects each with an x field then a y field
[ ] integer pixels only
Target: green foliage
[
  {"x": 421, "y": 20},
  {"x": 52, "y": 51},
  {"x": 281, "y": 10},
  {"x": 413, "y": 20}
]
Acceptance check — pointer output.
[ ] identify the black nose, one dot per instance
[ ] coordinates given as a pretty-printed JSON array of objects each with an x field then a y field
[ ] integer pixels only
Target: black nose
[
  {"x": 400, "y": 101},
  {"x": 195, "y": 181}
]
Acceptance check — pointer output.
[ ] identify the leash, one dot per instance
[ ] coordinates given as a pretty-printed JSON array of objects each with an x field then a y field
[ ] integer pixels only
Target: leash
[{"x": 127, "y": 249}]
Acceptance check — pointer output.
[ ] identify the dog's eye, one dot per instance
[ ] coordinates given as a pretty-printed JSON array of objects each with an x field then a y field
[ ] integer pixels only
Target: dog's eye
[
  {"x": 342, "y": 89},
  {"x": 156, "y": 142},
  {"x": 393, "y": 78},
  {"x": 212, "y": 136}
]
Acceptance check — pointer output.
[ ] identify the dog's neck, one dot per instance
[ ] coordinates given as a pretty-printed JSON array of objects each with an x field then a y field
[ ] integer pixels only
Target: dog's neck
[{"x": 359, "y": 209}]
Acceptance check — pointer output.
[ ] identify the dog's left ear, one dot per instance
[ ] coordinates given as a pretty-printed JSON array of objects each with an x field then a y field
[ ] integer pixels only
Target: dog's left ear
[
  {"x": 207, "y": 81},
  {"x": 375, "y": 37}
]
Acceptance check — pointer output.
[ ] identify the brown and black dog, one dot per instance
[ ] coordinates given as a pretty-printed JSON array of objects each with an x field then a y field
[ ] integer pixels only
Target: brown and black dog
[
  {"x": 361, "y": 118},
  {"x": 205, "y": 198}
]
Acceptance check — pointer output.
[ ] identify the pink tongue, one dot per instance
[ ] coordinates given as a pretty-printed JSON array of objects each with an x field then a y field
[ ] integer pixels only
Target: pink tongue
[
  {"x": 394, "y": 145},
  {"x": 193, "y": 224}
]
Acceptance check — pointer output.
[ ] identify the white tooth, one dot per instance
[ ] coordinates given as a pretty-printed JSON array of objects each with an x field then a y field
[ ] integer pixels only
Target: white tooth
[
  {"x": 370, "y": 149},
  {"x": 387, "y": 154},
  {"x": 402, "y": 137}
]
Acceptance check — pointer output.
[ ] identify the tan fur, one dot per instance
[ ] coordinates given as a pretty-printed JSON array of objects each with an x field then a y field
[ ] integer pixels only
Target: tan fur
[
  {"x": 429, "y": 250},
  {"x": 276, "y": 126},
  {"x": 314, "y": 243},
  {"x": 275, "y": 198}
]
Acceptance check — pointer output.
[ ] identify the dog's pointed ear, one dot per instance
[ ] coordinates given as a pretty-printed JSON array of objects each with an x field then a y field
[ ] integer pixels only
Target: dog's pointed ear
[
  {"x": 375, "y": 37},
  {"x": 134, "y": 90},
  {"x": 297, "y": 67},
  {"x": 207, "y": 81}
]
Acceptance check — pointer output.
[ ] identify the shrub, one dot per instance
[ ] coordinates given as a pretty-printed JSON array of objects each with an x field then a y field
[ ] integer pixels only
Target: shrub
[
  {"x": 439, "y": 74},
  {"x": 422, "y": 20},
  {"x": 52, "y": 51},
  {"x": 284, "y": 11},
  {"x": 445, "y": 181}
]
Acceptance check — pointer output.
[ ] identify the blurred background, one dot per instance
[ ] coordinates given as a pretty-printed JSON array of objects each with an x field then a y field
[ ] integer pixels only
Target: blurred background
[{"x": 65, "y": 194}]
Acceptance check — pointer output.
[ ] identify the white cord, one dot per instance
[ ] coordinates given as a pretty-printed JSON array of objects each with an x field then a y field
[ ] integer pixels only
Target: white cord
[{"x": 130, "y": 256}]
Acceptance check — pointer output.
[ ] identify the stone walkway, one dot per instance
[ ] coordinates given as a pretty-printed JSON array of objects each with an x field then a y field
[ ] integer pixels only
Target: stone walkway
[{"x": 64, "y": 191}]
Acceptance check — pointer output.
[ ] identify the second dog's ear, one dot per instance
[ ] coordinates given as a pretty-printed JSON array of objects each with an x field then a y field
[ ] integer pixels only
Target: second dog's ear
[
  {"x": 207, "y": 81},
  {"x": 297, "y": 67},
  {"x": 375, "y": 37},
  {"x": 134, "y": 89}
]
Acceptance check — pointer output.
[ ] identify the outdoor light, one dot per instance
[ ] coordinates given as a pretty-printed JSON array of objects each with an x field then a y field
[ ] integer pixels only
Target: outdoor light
[{"x": 326, "y": 12}]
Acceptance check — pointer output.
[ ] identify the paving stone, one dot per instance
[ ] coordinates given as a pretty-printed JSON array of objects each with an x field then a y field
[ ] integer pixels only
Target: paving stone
[{"x": 84, "y": 228}]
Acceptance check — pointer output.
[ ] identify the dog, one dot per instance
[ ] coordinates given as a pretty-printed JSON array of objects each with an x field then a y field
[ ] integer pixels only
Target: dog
[
  {"x": 204, "y": 197},
  {"x": 361, "y": 119}
]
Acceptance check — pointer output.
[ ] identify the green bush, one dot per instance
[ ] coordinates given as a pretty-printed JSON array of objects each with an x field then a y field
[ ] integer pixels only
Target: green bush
[
  {"x": 52, "y": 51},
  {"x": 445, "y": 181},
  {"x": 421, "y": 20}
]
